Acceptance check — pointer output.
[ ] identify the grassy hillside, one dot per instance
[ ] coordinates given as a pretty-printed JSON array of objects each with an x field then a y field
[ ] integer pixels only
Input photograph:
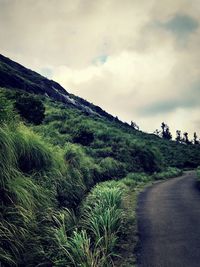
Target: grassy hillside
[{"x": 66, "y": 175}]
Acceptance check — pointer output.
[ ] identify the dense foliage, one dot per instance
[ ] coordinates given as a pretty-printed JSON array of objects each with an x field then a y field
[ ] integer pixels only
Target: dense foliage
[{"x": 30, "y": 108}]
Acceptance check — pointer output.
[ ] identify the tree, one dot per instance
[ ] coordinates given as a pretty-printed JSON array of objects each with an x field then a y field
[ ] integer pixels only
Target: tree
[
  {"x": 196, "y": 142},
  {"x": 186, "y": 139},
  {"x": 134, "y": 125},
  {"x": 178, "y": 136},
  {"x": 158, "y": 133},
  {"x": 30, "y": 108},
  {"x": 165, "y": 131}
]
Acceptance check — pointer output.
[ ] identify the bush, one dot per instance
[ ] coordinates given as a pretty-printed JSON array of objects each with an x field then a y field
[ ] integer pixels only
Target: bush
[
  {"x": 84, "y": 137},
  {"x": 137, "y": 178},
  {"x": 111, "y": 169},
  {"x": 148, "y": 159},
  {"x": 30, "y": 108},
  {"x": 78, "y": 162},
  {"x": 169, "y": 172}
]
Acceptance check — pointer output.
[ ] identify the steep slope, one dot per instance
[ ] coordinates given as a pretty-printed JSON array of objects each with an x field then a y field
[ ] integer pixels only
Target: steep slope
[{"x": 14, "y": 75}]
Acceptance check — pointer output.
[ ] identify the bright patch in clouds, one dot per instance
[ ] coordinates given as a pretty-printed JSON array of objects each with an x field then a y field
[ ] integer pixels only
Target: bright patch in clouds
[{"x": 139, "y": 60}]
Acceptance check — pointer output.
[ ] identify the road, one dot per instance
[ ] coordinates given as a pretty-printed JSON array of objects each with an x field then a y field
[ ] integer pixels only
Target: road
[{"x": 169, "y": 223}]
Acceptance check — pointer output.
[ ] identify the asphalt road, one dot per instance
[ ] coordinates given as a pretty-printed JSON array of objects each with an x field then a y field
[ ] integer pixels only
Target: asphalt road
[{"x": 169, "y": 223}]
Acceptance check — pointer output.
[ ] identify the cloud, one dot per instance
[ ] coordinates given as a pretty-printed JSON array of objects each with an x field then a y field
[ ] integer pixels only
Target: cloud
[
  {"x": 47, "y": 72},
  {"x": 187, "y": 99},
  {"x": 126, "y": 56},
  {"x": 181, "y": 25}
]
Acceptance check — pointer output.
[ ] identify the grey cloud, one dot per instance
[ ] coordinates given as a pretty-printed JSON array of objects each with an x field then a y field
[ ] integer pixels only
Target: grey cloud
[
  {"x": 181, "y": 25},
  {"x": 167, "y": 106}
]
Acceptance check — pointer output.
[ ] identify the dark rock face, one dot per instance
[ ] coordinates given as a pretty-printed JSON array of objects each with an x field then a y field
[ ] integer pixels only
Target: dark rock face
[{"x": 15, "y": 76}]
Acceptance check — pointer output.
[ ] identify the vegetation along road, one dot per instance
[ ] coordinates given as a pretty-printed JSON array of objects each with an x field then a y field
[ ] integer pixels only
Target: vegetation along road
[{"x": 169, "y": 224}]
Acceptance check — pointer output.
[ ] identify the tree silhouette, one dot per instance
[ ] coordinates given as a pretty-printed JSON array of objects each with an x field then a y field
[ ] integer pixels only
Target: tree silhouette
[
  {"x": 134, "y": 125},
  {"x": 186, "y": 139},
  {"x": 196, "y": 141},
  {"x": 165, "y": 131},
  {"x": 178, "y": 136},
  {"x": 158, "y": 133}
]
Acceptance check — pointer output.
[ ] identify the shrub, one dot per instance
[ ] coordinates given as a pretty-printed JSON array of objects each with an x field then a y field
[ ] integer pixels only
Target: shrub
[
  {"x": 78, "y": 162},
  {"x": 30, "y": 108},
  {"x": 169, "y": 172},
  {"x": 148, "y": 158},
  {"x": 111, "y": 168},
  {"x": 84, "y": 137},
  {"x": 134, "y": 179}
]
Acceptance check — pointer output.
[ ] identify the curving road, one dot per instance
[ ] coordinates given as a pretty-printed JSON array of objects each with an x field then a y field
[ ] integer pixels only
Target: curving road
[{"x": 169, "y": 223}]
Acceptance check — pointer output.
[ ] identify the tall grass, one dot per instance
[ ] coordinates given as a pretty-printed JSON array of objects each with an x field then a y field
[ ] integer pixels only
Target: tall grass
[
  {"x": 93, "y": 244},
  {"x": 77, "y": 160},
  {"x": 102, "y": 215},
  {"x": 78, "y": 250},
  {"x": 23, "y": 159},
  {"x": 37, "y": 178}
]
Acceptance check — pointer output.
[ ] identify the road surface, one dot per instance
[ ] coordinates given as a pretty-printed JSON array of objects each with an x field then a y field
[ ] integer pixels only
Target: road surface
[{"x": 169, "y": 223}]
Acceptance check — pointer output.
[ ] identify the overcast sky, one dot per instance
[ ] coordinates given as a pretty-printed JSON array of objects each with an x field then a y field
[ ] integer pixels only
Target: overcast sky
[{"x": 137, "y": 59}]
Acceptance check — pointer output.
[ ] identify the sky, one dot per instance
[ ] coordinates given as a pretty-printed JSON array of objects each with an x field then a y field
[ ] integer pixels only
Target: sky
[{"x": 137, "y": 59}]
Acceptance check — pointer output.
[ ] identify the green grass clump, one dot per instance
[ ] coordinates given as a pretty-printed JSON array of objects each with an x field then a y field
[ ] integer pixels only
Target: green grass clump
[
  {"x": 33, "y": 154},
  {"x": 31, "y": 172},
  {"x": 111, "y": 169},
  {"x": 101, "y": 217},
  {"x": 137, "y": 178},
  {"x": 170, "y": 172},
  {"x": 77, "y": 250},
  {"x": 20, "y": 199}
]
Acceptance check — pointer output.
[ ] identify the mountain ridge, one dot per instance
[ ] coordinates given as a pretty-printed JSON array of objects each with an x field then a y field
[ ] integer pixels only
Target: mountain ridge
[{"x": 15, "y": 76}]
